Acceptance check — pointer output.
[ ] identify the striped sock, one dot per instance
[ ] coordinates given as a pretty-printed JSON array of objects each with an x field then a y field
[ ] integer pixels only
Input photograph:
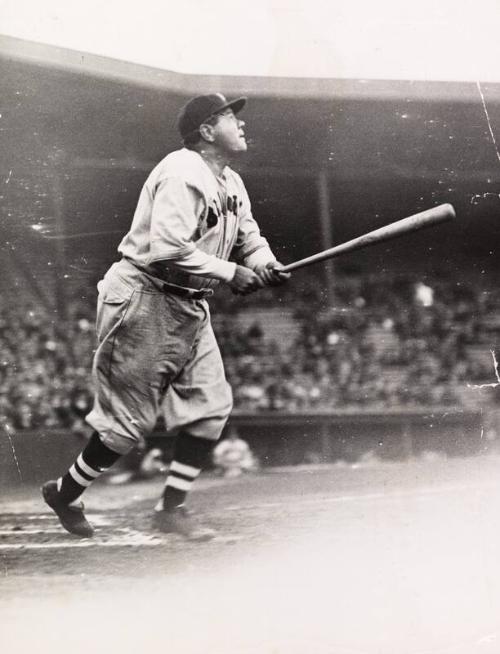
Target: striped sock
[
  {"x": 95, "y": 459},
  {"x": 190, "y": 456}
]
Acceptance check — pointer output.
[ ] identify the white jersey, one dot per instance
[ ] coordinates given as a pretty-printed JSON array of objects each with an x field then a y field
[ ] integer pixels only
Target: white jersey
[{"x": 188, "y": 223}]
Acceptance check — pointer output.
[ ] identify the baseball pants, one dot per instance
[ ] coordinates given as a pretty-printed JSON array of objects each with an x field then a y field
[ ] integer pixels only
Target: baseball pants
[{"x": 156, "y": 353}]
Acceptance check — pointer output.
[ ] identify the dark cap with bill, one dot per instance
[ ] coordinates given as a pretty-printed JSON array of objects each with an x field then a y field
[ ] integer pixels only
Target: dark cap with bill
[{"x": 203, "y": 107}]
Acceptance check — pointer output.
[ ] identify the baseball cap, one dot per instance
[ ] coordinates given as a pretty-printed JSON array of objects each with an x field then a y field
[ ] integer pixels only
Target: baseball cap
[{"x": 203, "y": 107}]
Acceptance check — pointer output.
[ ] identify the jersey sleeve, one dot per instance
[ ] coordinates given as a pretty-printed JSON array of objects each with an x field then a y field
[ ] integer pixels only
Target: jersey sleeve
[
  {"x": 206, "y": 265},
  {"x": 251, "y": 248},
  {"x": 174, "y": 220}
]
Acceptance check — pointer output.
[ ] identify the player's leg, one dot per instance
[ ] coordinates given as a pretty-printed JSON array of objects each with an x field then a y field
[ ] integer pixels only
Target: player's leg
[
  {"x": 199, "y": 402},
  {"x": 60, "y": 495},
  {"x": 129, "y": 376}
]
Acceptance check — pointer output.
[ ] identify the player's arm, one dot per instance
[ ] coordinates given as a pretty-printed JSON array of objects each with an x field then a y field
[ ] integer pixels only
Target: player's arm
[
  {"x": 253, "y": 249},
  {"x": 174, "y": 222}
]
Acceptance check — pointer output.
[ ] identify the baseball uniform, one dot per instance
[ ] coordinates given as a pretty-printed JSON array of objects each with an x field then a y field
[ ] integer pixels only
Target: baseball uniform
[
  {"x": 156, "y": 348},
  {"x": 154, "y": 344}
]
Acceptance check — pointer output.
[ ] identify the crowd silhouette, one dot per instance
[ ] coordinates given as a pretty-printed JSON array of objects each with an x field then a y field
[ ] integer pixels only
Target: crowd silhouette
[{"x": 383, "y": 343}]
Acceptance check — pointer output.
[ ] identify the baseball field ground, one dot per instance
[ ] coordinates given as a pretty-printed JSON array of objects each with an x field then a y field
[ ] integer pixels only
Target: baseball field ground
[{"x": 373, "y": 558}]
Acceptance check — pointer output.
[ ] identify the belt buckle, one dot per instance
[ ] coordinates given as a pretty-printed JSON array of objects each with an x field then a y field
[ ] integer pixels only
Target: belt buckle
[
  {"x": 202, "y": 293},
  {"x": 190, "y": 293}
]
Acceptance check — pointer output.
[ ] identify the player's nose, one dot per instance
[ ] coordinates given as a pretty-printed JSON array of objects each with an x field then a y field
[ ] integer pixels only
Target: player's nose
[{"x": 241, "y": 123}]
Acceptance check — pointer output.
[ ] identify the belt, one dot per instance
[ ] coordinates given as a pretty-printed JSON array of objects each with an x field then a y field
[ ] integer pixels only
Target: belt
[
  {"x": 175, "y": 289},
  {"x": 188, "y": 293}
]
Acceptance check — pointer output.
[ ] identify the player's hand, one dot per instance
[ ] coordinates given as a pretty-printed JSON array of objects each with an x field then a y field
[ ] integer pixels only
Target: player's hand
[
  {"x": 272, "y": 274},
  {"x": 245, "y": 281}
]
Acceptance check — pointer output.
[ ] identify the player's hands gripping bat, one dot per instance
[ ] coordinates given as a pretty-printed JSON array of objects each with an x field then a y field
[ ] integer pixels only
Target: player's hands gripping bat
[
  {"x": 245, "y": 281},
  {"x": 273, "y": 274}
]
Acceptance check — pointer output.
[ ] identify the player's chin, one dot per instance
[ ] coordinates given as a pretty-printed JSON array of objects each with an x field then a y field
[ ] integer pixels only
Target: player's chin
[
  {"x": 236, "y": 146},
  {"x": 241, "y": 144}
]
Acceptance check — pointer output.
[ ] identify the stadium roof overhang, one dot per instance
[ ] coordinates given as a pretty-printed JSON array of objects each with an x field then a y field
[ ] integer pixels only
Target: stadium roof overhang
[
  {"x": 386, "y": 148},
  {"x": 350, "y": 128}
]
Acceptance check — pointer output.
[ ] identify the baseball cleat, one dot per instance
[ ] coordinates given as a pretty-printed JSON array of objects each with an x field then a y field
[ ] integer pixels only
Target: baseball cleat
[
  {"x": 180, "y": 521},
  {"x": 70, "y": 516}
]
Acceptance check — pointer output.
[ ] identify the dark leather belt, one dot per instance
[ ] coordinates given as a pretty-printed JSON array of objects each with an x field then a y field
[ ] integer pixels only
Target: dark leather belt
[
  {"x": 175, "y": 289},
  {"x": 188, "y": 293}
]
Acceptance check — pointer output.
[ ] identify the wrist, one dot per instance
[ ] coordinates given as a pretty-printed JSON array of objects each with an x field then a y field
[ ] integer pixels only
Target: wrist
[
  {"x": 231, "y": 271},
  {"x": 265, "y": 266}
]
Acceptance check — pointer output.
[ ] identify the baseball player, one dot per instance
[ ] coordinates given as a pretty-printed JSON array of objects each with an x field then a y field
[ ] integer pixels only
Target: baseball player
[{"x": 156, "y": 345}]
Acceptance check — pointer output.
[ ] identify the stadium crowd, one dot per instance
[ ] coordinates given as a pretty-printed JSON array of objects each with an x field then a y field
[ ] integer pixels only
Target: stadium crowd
[{"x": 383, "y": 343}]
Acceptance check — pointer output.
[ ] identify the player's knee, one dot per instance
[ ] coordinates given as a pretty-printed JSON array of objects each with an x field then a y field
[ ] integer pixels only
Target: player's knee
[
  {"x": 209, "y": 428},
  {"x": 119, "y": 443},
  {"x": 227, "y": 401}
]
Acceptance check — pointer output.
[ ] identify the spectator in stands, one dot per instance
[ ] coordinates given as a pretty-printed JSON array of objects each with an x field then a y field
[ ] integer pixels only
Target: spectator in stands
[
  {"x": 232, "y": 456},
  {"x": 341, "y": 358}
]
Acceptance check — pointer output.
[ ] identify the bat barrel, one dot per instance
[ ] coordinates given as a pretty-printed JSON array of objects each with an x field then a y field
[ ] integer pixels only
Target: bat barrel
[{"x": 428, "y": 218}]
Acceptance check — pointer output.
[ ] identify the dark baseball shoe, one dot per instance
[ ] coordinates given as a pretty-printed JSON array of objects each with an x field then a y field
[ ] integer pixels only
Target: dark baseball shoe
[
  {"x": 180, "y": 521},
  {"x": 70, "y": 516}
]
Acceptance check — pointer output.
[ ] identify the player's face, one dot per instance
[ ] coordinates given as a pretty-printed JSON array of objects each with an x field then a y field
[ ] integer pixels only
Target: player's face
[{"x": 228, "y": 133}]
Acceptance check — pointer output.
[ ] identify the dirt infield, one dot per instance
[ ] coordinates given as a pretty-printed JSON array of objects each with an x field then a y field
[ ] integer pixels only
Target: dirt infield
[{"x": 379, "y": 558}]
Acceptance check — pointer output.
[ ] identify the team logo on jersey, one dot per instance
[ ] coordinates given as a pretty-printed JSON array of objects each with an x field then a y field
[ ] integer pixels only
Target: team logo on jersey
[
  {"x": 232, "y": 204},
  {"x": 219, "y": 207},
  {"x": 212, "y": 218}
]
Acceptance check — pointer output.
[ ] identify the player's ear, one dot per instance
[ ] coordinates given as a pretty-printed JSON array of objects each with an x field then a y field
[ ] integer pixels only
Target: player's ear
[{"x": 207, "y": 132}]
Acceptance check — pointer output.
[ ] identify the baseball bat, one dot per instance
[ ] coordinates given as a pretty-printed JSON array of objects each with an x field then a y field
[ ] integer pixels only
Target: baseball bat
[{"x": 428, "y": 218}]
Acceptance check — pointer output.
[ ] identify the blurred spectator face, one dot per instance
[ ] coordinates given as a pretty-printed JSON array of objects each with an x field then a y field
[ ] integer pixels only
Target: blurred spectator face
[
  {"x": 424, "y": 294},
  {"x": 84, "y": 325}
]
